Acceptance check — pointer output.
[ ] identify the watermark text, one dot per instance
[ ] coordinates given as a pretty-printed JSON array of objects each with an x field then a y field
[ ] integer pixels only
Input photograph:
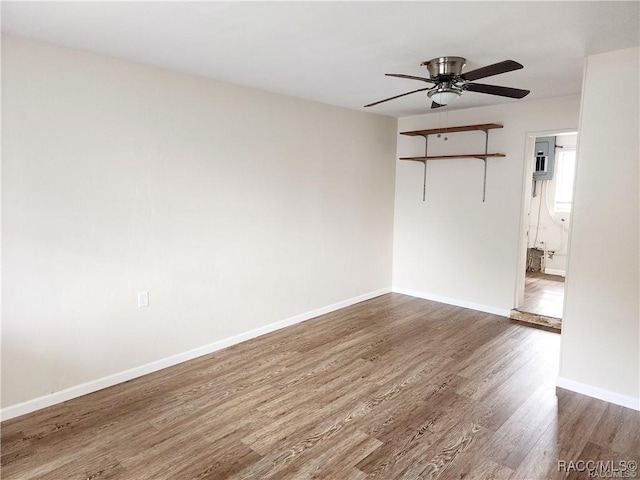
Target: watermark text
[{"x": 600, "y": 468}]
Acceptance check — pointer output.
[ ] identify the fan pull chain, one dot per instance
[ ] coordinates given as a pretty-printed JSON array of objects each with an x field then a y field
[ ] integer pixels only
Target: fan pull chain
[{"x": 446, "y": 125}]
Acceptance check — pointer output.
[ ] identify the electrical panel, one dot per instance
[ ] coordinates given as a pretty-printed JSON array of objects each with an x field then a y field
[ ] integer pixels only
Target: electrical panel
[{"x": 545, "y": 154}]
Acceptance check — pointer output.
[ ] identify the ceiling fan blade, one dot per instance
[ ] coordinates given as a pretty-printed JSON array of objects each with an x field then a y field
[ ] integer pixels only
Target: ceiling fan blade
[
  {"x": 410, "y": 77},
  {"x": 490, "y": 70},
  {"x": 398, "y": 96},
  {"x": 436, "y": 105},
  {"x": 496, "y": 90}
]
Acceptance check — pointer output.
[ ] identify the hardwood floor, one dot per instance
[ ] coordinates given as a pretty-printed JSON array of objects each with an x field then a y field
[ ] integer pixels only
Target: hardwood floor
[
  {"x": 395, "y": 387},
  {"x": 543, "y": 294}
]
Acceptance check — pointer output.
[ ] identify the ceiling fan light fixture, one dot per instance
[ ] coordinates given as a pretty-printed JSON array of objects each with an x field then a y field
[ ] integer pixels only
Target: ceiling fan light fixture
[{"x": 444, "y": 95}]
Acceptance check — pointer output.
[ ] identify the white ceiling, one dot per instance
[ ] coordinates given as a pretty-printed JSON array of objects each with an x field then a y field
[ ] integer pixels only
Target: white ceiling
[{"x": 338, "y": 52}]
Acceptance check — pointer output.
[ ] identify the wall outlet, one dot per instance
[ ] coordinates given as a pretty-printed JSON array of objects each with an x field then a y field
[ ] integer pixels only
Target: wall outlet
[{"x": 143, "y": 299}]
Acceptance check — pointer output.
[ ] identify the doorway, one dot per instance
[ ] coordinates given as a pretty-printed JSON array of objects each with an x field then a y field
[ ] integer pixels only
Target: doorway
[{"x": 550, "y": 168}]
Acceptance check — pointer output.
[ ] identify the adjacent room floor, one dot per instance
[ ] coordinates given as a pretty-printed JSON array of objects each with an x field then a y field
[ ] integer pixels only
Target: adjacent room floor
[
  {"x": 395, "y": 387},
  {"x": 543, "y": 294}
]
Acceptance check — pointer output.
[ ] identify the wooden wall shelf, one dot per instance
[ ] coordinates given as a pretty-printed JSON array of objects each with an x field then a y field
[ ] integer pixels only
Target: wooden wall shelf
[
  {"x": 462, "y": 128},
  {"x": 449, "y": 157},
  {"x": 483, "y": 127}
]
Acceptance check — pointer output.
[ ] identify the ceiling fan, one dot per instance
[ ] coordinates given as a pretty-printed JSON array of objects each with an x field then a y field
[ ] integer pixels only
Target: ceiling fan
[{"x": 449, "y": 81}]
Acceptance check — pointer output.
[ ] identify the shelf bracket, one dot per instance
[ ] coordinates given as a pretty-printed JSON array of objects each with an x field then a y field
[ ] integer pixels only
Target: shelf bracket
[
  {"x": 484, "y": 181},
  {"x": 486, "y": 150},
  {"x": 424, "y": 180},
  {"x": 484, "y": 159}
]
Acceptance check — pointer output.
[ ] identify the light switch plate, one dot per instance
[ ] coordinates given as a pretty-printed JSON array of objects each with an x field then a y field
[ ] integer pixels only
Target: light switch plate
[{"x": 143, "y": 299}]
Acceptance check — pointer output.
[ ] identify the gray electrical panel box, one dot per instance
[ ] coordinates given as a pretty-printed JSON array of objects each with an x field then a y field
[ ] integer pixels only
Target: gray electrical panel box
[{"x": 545, "y": 154}]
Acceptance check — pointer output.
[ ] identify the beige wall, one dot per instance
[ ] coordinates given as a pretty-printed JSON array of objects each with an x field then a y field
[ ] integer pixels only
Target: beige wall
[
  {"x": 233, "y": 207},
  {"x": 601, "y": 334},
  {"x": 453, "y": 247}
]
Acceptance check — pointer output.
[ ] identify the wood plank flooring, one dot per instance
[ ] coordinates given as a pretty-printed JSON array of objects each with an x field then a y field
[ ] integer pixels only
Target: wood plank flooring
[
  {"x": 543, "y": 294},
  {"x": 392, "y": 388}
]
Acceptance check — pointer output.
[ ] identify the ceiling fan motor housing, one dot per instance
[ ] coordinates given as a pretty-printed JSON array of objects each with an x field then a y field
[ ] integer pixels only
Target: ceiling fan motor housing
[{"x": 445, "y": 67}]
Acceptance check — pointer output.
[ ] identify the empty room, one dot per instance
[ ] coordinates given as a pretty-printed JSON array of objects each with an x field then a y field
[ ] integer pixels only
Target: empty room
[{"x": 332, "y": 240}]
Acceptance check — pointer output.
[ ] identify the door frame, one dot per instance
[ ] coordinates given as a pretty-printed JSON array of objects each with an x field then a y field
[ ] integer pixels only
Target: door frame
[{"x": 525, "y": 207}]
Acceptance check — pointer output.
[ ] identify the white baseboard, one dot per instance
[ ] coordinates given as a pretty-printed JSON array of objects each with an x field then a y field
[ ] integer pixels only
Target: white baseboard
[
  {"x": 108, "y": 381},
  {"x": 555, "y": 271},
  {"x": 599, "y": 393},
  {"x": 453, "y": 301}
]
